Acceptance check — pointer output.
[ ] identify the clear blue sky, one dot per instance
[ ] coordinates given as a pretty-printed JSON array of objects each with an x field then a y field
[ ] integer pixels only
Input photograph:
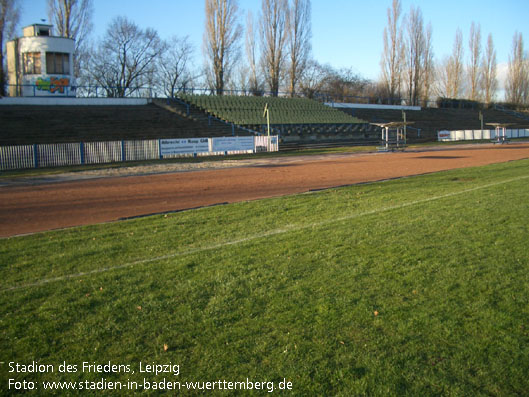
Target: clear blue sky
[{"x": 346, "y": 33}]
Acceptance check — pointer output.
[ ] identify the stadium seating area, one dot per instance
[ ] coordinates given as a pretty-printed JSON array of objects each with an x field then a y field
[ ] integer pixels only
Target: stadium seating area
[
  {"x": 297, "y": 121},
  {"x": 428, "y": 121},
  {"x": 57, "y": 124},
  {"x": 248, "y": 110}
]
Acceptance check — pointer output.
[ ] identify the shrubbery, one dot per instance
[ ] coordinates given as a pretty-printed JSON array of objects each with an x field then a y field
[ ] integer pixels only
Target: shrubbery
[{"x": 454, "y": 103}]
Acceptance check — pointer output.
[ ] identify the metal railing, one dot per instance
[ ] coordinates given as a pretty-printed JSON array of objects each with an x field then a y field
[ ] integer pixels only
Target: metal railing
[
  {"x": 96, "y": 91},
  {"x": 211, "y": 118},
  {"x": 150, "y": 92},
  {"x": 512, "y": 112}
]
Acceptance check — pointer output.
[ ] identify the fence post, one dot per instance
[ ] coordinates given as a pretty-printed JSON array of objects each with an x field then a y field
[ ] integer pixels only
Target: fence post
[
  {"x": 36, "y": 155},
  {"x": 81, "y": 149},
  {"x": 123, "y": 154}
]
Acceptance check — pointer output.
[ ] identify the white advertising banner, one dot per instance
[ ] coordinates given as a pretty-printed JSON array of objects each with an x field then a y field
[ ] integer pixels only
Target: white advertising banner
[
  {"x": 478, "y": 134},
  {"x": 444, "y": 136},
  {"x": 231, "y": 144},
  {"x": 183, "y": 146},
  {"x": 460, "y": 135}
]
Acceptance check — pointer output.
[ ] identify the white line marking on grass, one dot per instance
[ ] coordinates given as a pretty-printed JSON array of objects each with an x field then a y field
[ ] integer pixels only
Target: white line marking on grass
[{"x": 289, "y": 228}]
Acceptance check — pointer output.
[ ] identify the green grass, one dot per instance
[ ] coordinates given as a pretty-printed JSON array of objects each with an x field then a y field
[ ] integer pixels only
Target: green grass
[{"x": 289, "y": 287}]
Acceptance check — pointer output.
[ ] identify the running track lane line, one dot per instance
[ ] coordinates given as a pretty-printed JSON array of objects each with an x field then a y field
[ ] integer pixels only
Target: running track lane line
[{"x": 288, "y": 228}]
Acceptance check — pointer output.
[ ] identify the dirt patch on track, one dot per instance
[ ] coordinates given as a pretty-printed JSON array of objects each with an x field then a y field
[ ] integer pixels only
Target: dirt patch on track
[{"x": 39, "y": 205}]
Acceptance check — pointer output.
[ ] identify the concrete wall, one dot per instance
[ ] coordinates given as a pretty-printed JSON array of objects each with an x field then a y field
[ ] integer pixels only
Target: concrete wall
[{"x": 47, "y": 101}]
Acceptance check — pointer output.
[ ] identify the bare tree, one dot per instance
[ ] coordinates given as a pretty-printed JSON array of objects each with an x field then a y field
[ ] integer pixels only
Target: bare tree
[
  {"x": 9, "y": 17},
  {"x": 221, "y": 37},
  {"x": 73, "y": 19},
  {"x": 125, "y": 58},
  {"x": 311, "y": 80},
  {"x": 451, "y": 71},
  {"x": 473, "y": 67},
  {"x": 457, "y": 64},
  {"x": 489, "y": 81},
  {"x": 428, "y": 65},
  {"x": 274, "y": 34},
  {"x": 241, "y": 82},
  {"x": 173, "y": 71},
  {"x": 299, "y": 44},
  {"x": 393, "y": 55},
  {"x": 342, "y": 85},
  {"x": 254, "y": 83},
  {"x": 415, "y": 48},
  {"x": 443, "y": 73},
  {"x": 517, "y": 85}
]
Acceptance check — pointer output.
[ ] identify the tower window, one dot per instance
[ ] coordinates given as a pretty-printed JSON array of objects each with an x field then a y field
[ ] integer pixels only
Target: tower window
[
  {"x": 32, "y": 63},
  {"x": 57, "y": 63},
  {"x": 43, "y": 32}
]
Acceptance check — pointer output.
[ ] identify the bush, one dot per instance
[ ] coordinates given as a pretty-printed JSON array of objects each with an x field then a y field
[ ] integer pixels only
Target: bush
[{"x": 454, "y": 103}]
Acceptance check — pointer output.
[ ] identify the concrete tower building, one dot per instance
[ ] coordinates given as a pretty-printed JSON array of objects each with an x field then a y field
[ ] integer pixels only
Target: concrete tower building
[{"x": 40, "y": 64}]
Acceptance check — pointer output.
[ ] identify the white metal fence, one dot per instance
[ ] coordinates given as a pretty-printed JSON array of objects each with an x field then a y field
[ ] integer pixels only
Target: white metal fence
[
  {"x": 467, "y": 135},
  {"x": 63, "y": 154},
  {"x": 266, "y": 143},
  {"x": 17, "y": 157}
]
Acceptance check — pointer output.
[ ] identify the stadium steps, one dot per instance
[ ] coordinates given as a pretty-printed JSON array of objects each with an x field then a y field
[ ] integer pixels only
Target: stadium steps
[
  {"x": 431, "y": 120},
  {"x": 192, "y": 112},
  {"x": 248, "y": 110},
  {"x": 58, "y": 124},
  {"x": 297, "y": 117},
  {"x": 516, "y": 114}
]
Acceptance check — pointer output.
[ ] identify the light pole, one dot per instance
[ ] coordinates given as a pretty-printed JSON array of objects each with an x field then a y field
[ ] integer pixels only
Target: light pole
[{"x": 267, "y": 114}]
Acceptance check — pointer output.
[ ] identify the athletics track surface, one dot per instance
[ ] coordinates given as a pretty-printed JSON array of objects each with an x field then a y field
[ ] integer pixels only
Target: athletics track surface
[{"x": 36, "y": 205}]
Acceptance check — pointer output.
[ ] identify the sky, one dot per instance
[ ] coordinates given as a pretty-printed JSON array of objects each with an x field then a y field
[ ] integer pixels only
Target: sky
[{"x": 345, "y": 33}]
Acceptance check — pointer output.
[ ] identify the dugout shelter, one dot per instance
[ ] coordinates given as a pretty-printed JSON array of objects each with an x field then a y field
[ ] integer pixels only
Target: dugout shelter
[
  {"x": 501, "y": 132},
  {"x": 393, "y": 135}
]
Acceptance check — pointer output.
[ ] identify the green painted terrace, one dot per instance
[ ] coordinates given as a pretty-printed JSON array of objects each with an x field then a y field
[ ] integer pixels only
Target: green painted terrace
[{"x": 249, "y": 110}]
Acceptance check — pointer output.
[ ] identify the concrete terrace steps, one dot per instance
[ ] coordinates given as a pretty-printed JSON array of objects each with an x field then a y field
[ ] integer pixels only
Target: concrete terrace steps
[
  {"x": 431, "y": 120},
  {"x": 249, "y": 110},
  {"x": 293, "y": 119},
  {"x": 26, "y": 124},
  {"x": 191, "y": 112}
]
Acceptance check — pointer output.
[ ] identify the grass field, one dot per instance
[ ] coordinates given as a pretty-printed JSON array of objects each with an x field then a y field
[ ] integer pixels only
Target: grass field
[{"x": 416, "y": 286}]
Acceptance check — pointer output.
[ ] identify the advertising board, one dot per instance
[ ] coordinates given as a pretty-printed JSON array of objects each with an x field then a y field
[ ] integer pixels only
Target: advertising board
[
  {"x": 235, "y": 143},
  {"x": 183, "y": 146}
]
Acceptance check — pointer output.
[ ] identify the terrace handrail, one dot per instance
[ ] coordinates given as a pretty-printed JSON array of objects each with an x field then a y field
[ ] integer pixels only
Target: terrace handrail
[
  {"x": 511, "y": 112},
  {"x": 141, "y": 91},
  {"x": 153, "y": 92},
  {"x": 211, "y": 117}
]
